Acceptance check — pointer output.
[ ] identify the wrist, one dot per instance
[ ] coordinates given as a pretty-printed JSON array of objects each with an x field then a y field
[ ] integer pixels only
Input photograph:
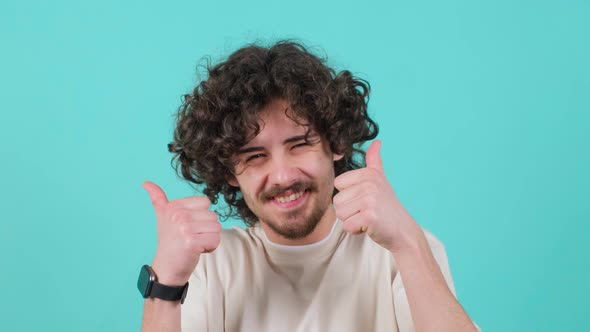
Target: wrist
[
  {"x": 149, "y": 287},
  {"x": 410, "y": 239},
  {"x": 164, "y": 276}
]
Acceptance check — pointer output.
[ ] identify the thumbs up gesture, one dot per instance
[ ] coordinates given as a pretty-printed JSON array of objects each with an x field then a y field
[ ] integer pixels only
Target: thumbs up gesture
[
  {"x": 186, "y": 229},
  {"x": 367, "y": 203}
]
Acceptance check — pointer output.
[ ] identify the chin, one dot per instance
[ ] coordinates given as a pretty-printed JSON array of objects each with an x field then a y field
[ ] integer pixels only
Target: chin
[{"x": 294, "y": 228}]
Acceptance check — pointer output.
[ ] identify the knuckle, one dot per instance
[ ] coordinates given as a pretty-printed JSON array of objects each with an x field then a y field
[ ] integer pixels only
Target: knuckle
[
  {"x": 174, "y": 204},
  {"x": 215, "y": 238},
  {"x": 336, "y": 199},
  {"x": 188, "y": 242},
  {"x": 202, "y": 200},
  {"x": 177, "y": 216},
  {"x": 183, "y": 229},
  {"x": 211, "y": 216},
  {"x": 188, "y": 229},
  {"x": 180, "y": 216},
  {"x": 197, "y": 247}
]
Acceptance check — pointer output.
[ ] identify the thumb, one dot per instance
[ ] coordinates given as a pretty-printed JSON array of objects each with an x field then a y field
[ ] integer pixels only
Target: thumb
[
  {"x": 156, "y": 193},
  {"x": 373, "y": 156}
]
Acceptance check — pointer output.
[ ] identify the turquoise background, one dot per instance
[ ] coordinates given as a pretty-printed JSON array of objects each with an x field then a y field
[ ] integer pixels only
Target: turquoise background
[{"x": 484, "y": 111}]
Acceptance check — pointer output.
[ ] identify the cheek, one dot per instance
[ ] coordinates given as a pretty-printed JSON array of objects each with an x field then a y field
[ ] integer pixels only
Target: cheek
[
  {"x": 250, "y": 184},
  {"x": 322, "y": 169}
]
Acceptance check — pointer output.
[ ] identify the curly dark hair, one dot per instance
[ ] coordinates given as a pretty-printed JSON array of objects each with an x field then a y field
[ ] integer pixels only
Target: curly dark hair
[{"x": 222, "y": 114}]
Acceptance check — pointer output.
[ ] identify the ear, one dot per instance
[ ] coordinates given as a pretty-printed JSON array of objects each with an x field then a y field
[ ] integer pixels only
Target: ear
[{"x": 231, "y": 180}]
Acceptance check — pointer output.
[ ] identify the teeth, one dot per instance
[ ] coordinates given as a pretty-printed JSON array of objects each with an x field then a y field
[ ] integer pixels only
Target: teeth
[{"x": 286, "y": 199}]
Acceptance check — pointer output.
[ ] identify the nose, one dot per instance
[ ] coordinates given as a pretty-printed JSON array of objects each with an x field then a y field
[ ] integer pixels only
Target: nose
[{"x": 283, "y": 172}]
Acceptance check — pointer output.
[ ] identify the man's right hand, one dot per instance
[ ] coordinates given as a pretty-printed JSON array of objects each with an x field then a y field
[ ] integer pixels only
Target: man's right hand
[{"x": 186, "y": 229}]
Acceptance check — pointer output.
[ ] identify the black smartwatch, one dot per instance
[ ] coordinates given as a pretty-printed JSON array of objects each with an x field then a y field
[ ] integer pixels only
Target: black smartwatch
[{"x": 148, "y": 286}]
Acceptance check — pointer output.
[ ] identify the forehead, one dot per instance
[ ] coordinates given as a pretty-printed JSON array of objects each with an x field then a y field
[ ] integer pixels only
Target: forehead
[{"x": 277, "y": 122}]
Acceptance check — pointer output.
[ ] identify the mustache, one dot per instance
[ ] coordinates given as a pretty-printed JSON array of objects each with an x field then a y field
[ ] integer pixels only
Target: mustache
[{"x": 295, "y": 187}]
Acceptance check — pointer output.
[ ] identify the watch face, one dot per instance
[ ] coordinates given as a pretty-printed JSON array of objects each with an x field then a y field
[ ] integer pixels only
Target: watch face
[{"x": 145, "y": 281}]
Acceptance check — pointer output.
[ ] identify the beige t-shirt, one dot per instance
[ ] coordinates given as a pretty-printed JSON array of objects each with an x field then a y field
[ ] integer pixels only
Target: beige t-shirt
[{"x": 343, "y": 283}]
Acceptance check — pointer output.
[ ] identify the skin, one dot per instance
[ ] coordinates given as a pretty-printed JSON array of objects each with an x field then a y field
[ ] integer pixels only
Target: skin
[
  {"x": 274, "y": 161},
  {"x": 366, "y": 202},
  {"x": 278, "y": 164}
]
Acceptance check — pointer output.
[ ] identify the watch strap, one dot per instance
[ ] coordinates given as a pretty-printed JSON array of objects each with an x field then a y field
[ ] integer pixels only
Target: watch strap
[{"x": 169, "y": 293}]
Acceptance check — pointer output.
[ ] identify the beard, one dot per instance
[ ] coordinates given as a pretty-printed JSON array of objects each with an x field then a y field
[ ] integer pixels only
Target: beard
[{"x": 298, "y": 223}]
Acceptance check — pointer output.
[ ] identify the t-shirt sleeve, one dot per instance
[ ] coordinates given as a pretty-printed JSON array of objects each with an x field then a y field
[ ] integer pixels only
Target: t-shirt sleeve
[
  {"x": 194, "y": 309},
  {"x": 400, "y": 300}
]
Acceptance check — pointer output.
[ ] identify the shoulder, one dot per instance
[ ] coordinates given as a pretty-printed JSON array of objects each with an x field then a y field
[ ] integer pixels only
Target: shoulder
[
  {"x": 235, "y": 252},
  {"x": 237, "y": 237},
  {"x": 236, "y": 243}
]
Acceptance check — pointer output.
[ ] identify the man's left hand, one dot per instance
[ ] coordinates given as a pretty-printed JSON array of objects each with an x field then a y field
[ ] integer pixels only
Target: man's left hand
[{"x": 367, "y": 203}]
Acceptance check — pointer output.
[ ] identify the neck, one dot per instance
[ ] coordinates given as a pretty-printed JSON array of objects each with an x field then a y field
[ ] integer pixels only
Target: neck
[{"x": 320, "y": 232}]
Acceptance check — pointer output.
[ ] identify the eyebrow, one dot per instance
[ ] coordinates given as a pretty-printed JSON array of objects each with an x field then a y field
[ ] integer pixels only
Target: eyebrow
[{"x": 260, "y": 148}]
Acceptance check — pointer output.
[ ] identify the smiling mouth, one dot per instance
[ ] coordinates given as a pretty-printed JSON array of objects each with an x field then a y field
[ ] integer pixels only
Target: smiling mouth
[{"x": 290, "y": 198}]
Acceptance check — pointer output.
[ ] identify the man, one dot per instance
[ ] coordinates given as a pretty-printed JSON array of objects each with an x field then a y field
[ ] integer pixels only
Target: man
[{"x": 277, "y": 133}]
